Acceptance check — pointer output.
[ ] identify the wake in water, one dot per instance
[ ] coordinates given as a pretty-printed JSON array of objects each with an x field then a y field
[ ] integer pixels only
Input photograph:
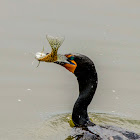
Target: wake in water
[{"x": 57, "y": 127}]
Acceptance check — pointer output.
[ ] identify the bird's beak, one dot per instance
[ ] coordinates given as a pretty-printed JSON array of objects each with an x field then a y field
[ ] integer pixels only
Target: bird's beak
[{"x": 67, "y": 62}]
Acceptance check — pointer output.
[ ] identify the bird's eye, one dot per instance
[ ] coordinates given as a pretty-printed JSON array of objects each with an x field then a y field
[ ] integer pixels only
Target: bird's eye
[{"x": 71, "y": 58}]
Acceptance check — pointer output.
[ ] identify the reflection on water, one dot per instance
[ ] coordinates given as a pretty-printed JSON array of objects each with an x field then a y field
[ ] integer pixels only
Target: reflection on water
[{"x": 57, "y": 127}]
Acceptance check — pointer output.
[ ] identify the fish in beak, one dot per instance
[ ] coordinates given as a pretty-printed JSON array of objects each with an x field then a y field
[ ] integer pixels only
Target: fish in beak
[
  {"x": 55, "y": 43},
  {"x": 66, "y": 60}
]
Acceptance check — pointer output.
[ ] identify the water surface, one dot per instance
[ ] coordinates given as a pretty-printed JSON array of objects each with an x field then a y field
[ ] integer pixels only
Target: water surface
[{"x": 106, "y": 31}]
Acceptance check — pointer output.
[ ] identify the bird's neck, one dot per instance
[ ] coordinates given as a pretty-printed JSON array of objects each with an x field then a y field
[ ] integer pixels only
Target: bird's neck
[{"x": 87, "y": 87}]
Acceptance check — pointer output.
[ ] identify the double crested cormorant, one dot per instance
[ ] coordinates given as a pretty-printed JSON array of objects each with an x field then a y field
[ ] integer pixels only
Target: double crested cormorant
[{"x": 83, "y": 68}]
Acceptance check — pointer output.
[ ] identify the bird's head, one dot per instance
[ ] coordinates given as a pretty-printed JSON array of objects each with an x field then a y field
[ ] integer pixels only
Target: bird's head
[{"x": 76, "y": 63}]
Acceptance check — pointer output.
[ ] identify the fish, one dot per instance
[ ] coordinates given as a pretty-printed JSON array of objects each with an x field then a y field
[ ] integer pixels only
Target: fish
[{"x": 55, "y": 43}]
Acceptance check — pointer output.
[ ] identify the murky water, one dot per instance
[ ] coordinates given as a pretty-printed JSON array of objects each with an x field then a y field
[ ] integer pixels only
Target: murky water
[
  {"x": 57, "y": 127},
  {"x": 106, "y": 31}
]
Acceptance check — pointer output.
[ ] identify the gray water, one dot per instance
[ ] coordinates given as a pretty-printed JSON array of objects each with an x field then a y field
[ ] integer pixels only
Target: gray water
[{"x": 106, "y": 31}]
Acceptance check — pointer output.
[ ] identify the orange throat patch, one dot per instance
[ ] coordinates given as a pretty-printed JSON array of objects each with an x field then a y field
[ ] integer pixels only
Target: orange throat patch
[{"x": 71, "y": 67}]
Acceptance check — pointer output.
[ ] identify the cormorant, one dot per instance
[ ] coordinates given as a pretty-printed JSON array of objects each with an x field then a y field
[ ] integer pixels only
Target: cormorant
[{"x": 83, "y": 68}]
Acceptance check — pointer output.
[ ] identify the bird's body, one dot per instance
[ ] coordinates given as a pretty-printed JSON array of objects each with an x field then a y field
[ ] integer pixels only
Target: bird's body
[
  {"x": 97, "y": 132},
  {"x": 87, "y": 78}
]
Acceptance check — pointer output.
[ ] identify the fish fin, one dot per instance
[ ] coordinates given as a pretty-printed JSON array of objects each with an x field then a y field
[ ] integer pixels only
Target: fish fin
[{"x": 55, "y": 42}]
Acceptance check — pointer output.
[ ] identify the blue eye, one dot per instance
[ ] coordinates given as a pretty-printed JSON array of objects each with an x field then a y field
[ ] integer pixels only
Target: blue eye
[{"x": 71, "y": 58}]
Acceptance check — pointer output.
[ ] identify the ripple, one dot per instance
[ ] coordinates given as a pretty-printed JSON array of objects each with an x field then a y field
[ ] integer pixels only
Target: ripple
[{"x": 57, "y": 127}]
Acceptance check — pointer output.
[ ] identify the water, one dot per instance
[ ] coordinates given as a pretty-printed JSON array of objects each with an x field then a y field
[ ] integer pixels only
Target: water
[
  {"x": 107, "y": 32},
  {"x": 56, "y": 126}
]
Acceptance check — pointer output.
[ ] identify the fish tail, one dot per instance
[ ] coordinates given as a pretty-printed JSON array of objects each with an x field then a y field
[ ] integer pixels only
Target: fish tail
[{"x": 55, "y": 42}]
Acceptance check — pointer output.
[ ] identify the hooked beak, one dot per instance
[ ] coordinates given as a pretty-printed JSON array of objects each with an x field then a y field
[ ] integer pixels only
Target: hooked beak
[{"x": 67, "y": 63}]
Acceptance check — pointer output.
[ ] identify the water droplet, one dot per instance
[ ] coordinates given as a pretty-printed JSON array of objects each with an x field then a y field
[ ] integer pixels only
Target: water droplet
[
  {"x": 29, "y": 89},
  {"x": 113, "y": 91}
]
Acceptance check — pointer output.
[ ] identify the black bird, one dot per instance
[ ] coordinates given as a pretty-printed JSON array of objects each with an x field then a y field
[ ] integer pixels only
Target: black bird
[{"x": 83, "y": 68}]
